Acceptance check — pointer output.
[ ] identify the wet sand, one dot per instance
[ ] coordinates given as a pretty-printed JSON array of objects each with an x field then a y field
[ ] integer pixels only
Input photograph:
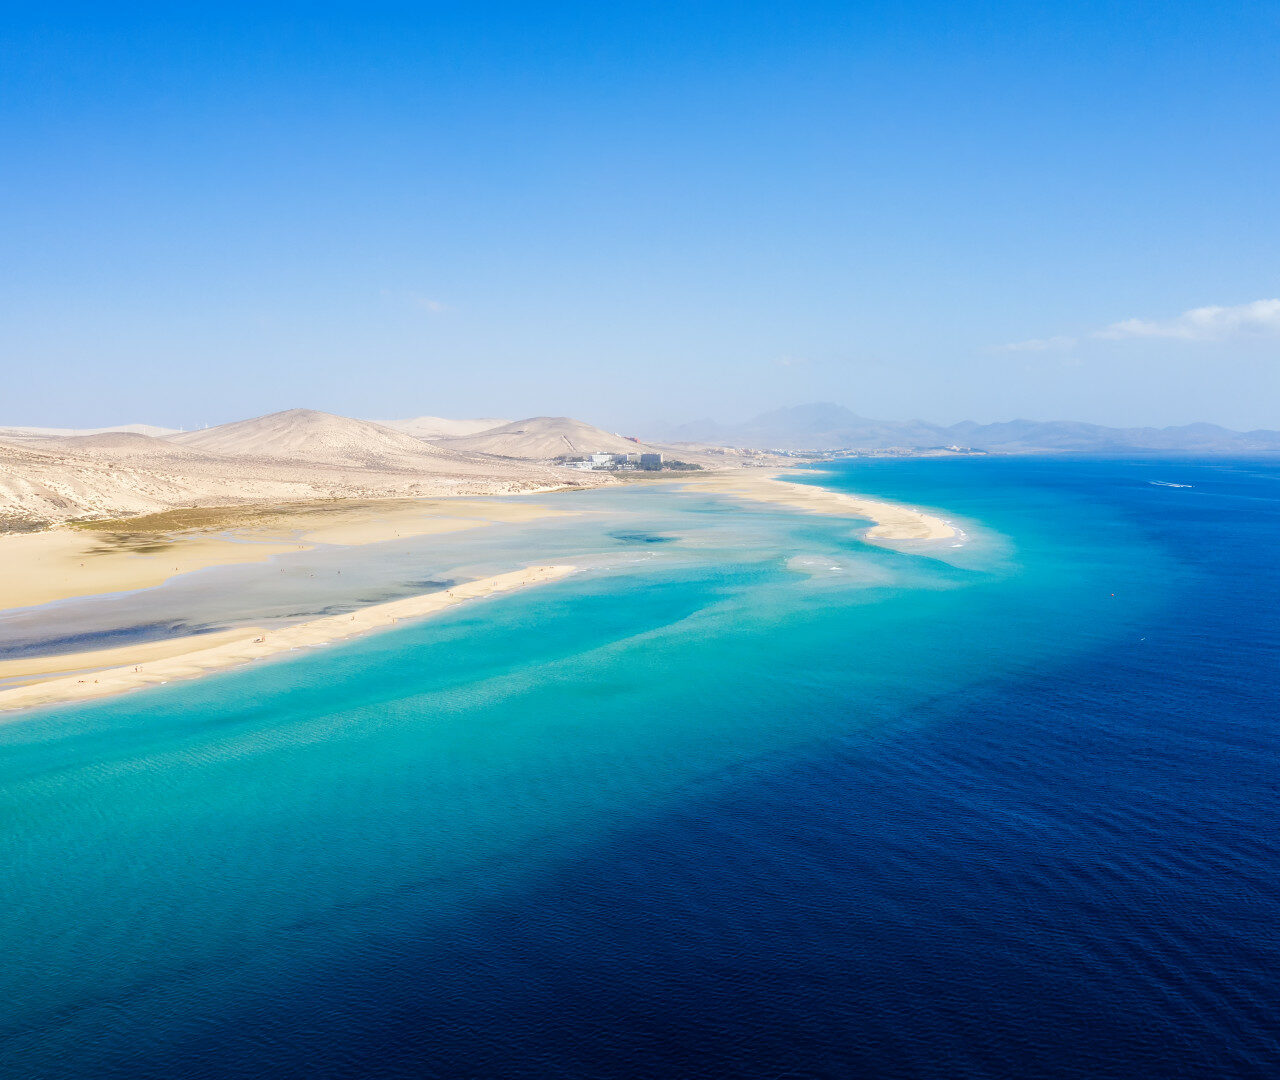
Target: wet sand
[
  {"x": 240, "y": 647},
  {"x": 139, "y": 553}
]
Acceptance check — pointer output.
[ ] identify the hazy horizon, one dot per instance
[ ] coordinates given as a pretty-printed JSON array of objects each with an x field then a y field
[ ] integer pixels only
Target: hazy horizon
[
  {"x": 654, "y": 428},
  {"x": 640, "y": 216}
]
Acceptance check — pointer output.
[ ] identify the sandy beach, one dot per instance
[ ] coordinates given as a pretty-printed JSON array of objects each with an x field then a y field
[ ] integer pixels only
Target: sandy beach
[
  {"x": 142, "y": 552},
  {"x": 893, "y": 521},
  {"x": 240, "y": 647}
]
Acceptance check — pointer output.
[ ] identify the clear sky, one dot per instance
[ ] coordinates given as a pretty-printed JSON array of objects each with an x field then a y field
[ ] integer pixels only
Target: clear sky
[{"x": 634, "y": 212}]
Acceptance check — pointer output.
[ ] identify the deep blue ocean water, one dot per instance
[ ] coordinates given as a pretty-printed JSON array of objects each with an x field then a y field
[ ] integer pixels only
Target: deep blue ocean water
[{"x": 763, "y": 802}]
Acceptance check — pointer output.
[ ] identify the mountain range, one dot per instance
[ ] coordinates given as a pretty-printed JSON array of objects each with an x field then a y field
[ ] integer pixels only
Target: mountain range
[
  {"x": 824, "y": 426},
  {"x": 299, "y": 455}
]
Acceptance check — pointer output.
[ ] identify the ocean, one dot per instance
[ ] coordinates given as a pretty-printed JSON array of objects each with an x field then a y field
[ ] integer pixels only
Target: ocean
[{"x": 749, "y": 797}]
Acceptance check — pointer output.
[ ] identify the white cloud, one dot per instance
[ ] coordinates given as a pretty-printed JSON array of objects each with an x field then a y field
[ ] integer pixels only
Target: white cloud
[
  {"x": 435, "y": 307},
  {"x": 1051, "y": 344},
  {"x": 791, "y": 361},
  {"x": 1259, "y": 318}
]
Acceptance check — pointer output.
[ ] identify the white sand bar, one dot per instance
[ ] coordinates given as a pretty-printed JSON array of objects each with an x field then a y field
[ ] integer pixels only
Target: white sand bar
[
  {"x": 255, "y": 645},
  {"x": 893, "y": 521}
]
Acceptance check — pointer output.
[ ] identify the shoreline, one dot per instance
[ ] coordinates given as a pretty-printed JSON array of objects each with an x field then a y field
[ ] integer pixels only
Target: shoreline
[
  {"x": 892, "y": 521},
  {"x": 117, "y": 556},
  {"x": 250, "y": 645},
  {"x": 129, "y": 554}
]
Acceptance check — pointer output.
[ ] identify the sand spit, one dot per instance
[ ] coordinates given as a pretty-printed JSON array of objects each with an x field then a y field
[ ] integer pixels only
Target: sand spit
[
  {"x": 32, "y": 669},
  {"x": 248, "y": 645},
  {"x": 893, "y": 521}
]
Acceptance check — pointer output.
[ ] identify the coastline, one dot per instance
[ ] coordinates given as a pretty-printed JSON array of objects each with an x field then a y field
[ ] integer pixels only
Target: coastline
[
  {"x": 138, "y": 553},
  {"x": 249, "y": 645},
  {"x": 892, "y": 521},
  {"x": 124, "y": 555}
]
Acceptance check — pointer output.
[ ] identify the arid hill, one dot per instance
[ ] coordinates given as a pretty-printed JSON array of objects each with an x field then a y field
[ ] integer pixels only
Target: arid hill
[
  {"x": 119, "y": 446},
  {"x": 8, "y": 433},
  {"x": 299, "y": 455},
  {"x": 440, "y": 427},
  {"x": 542, "y": 438},
  {"x": 320, "y": 438},
  {"x": 546, "y": 438}
]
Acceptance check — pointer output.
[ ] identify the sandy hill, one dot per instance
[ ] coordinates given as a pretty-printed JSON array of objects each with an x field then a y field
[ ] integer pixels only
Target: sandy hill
[
  {"x": 440, "y": 427},
  {"x": 120, "y": 446},
  {"x": 59, "y": 479},
  {"x": 54, "y": 433},
  {"x": 542, "y": 438},
  {"x": 318, "y": 438},
  {"x": 293, "y": 456}
]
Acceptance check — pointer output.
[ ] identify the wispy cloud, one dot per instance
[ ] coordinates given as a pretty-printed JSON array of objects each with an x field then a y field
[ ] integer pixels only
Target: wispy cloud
[
  {"x": 791, "y": 361},
  {"x": 1256, "y": 319},
  {"x": 1035, "y": 345},
  {"x": 434, "y": 307},
  {"x": 1259, "y": 318}
]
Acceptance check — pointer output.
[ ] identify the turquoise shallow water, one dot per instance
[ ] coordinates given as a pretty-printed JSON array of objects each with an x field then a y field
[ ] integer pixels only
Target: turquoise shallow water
[{"x": 347, "y": 863}]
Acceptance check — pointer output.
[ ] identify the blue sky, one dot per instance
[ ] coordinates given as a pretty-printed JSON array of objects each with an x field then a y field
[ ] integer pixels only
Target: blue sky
[{"x": 640, "y": 212}]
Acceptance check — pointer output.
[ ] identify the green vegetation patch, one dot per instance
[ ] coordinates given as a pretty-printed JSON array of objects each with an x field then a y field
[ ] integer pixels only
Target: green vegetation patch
[
  {"x": 218, "y": 518},
  {"x": 23, "y": 525}
]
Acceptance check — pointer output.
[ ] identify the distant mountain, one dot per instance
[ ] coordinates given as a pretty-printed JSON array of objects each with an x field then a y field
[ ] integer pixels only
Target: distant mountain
[
  {"x": 1068, "y": 435},
  {"x": 820, "y": 426},
  {"x": 543, "y": 437},
  {"x": 440, "y": 427},
  {"x": 824, "y": 426}
]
